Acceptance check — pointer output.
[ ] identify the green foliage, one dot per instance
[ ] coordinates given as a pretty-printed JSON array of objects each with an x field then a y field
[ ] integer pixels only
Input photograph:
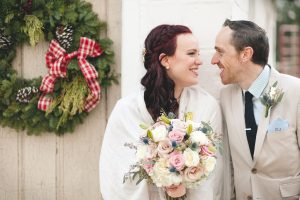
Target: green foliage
[
  {"x": 33, "y": 28},
  {"x": 39, "y": 23},
  {"x": 71, "y": 100}
]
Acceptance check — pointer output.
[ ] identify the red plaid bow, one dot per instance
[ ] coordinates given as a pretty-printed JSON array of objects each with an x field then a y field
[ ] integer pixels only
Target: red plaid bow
[{"x": 57, "y": 60}]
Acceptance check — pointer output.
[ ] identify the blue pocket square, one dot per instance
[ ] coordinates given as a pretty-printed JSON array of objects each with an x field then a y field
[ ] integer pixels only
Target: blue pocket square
[{"x": 278, "y": 125}]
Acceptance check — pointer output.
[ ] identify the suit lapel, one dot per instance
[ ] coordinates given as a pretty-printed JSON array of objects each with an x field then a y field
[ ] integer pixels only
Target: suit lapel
[
  {"x": 237, "y": 106},
  {"x": 264, "y": 121}
]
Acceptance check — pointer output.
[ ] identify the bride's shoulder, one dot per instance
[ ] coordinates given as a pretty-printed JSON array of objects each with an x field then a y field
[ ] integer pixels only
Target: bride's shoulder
[{"x": 127, "y": 102}]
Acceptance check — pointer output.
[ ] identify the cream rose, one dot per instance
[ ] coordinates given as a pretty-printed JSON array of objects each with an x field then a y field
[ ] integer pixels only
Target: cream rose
[
  {"x": 193, "y": 174},
  {"x": 164, "y": 148},
  {"x": 159, "y": 133},
  {"x": 191, "y": 157},
  {"x": 209, "y": 163}
]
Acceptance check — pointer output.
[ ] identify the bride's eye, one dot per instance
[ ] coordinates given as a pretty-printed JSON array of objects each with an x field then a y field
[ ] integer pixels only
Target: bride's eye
[{"x": 192, "y": 53}]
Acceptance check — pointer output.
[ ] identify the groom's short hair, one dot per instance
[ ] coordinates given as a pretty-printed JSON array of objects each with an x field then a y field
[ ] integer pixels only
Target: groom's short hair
[{"x": 249, "y": 34}]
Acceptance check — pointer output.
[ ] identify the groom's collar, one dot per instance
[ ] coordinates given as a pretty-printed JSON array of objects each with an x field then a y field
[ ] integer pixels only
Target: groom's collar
[{"x": 260, "y": 83}]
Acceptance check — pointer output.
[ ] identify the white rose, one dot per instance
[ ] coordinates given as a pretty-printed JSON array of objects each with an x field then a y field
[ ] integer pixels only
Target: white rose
[
  {"x": 194, "y": 124},
  {"x": 209, "y": 163},
  {"x": 159, "y": 133},
  {"x": 191, "y": 157},
  {"x": 162, "y": 176},
  {"x": 146, "y": 151},
  {"x": 199, "y": 137},
  {"x": 142, "y": 152}
]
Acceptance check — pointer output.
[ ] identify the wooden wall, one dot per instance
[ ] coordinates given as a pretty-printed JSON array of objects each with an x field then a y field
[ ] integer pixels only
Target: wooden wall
[{"x": 49, "y": 167}]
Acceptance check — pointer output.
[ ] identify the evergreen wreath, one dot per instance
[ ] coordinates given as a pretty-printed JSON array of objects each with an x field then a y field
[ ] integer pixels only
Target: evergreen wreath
[{"x": 66, "y": 21}]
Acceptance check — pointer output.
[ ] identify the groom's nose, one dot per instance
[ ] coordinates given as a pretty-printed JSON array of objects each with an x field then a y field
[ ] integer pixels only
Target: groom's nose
[{"x": 215, "y": 59}]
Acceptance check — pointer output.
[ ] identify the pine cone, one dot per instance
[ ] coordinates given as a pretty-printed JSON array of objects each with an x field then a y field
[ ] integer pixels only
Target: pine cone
[
  {"x": 24, "y": 95},
  {"x": 64, "y": 36},
  {"x": 5, "y": 41}
]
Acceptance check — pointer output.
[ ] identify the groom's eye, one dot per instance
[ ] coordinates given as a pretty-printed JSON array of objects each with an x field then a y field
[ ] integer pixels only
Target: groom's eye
[{"x": 220, "y": 52}]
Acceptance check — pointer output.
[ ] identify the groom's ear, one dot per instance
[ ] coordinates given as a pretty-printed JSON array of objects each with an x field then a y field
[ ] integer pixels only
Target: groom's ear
[
  {"x": 164, "y": 60},
  {"x": 247, "y": 54}
]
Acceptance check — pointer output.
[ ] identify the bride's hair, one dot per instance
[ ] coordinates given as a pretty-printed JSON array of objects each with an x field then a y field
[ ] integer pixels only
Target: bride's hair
[{"x": 159, "y": 87}]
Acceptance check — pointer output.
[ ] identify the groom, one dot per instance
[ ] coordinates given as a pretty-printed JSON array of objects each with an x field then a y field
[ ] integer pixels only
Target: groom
[{"x": 263, "y": 124}]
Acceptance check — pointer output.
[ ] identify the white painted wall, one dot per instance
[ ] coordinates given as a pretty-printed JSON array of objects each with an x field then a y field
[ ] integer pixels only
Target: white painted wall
[
  {"x": 267, "y": 20},
  {"x": 204, "y": 17}
]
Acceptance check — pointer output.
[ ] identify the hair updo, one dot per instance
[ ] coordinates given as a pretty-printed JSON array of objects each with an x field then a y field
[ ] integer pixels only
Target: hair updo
[{"x": 159, "y": 88}]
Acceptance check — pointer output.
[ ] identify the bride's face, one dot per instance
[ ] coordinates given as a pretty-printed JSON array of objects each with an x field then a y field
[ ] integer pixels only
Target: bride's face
[{"x": 184, "y": 64}]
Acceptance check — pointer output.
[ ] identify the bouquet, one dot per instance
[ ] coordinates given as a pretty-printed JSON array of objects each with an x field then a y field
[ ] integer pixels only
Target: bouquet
[{"x": 174, "y": 155}]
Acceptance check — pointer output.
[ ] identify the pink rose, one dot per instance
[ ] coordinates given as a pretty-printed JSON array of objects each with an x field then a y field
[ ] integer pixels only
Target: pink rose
[
  {"x": 192, "y": 174},
  {"x": 206, "y": 151},
  {"x": 176, "y": 191},
  {"x": 177, "y": 160},
  {"x": 148, "y": 165},
  {"x": 164, "y": 148},
  {"x": 176, "y": 135}
]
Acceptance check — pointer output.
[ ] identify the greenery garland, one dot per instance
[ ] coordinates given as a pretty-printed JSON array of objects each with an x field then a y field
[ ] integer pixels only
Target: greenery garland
[{"x": 27, "y": 21}]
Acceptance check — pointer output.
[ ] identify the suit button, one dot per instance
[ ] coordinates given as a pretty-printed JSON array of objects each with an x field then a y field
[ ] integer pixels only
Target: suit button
[
  {"x": 249, "y": 197},
  {"x": 254, "y": 171}
]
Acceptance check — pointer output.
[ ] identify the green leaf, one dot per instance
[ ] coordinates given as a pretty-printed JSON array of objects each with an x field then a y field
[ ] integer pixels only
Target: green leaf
[
  {"x": 135, "y": 174},
  {"x": 188, "y": 116},
  {"x": 11, "y": 110},
  {"x": 9, "y": 17},
  {"x": 165, "y": 119},
  {"x": 280, "y": 97},
  {"x": 149, "y": 134},
  {"x": 89, "y": 16},
  {"x": 189, "y": 129},
  {"x": 275, "y": 84},
  {"x": 141, "y": 178},
  {"x": 144, "y": 126}
]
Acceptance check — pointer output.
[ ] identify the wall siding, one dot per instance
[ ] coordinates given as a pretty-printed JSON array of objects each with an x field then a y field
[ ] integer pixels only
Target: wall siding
[{"x": 49, "y": 167}]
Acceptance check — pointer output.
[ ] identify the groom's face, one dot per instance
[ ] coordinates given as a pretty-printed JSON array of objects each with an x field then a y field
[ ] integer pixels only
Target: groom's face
[{"x": 226, "y": 57}]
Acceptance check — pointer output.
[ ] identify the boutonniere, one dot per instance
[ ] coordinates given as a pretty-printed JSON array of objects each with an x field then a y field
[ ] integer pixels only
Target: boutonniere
[{"x": 271, "y": 98}]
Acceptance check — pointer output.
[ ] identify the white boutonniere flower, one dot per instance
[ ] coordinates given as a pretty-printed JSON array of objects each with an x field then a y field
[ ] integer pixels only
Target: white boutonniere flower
[{"x": 271, "y": 98}]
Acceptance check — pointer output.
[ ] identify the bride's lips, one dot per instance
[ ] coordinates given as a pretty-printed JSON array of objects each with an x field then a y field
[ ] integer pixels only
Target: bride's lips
[{"x": 195, "y": 71}]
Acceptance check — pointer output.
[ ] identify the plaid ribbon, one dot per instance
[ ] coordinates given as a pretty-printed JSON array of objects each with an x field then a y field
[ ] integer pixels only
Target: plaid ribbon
[{"x": 57, "y": 60}]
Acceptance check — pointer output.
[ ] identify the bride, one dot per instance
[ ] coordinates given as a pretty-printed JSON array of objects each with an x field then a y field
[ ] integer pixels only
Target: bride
[{"x": 172, "y": 61}]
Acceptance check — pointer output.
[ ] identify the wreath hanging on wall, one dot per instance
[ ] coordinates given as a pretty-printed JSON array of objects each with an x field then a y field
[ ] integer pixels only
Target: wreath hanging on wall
[{"x": 78, "y": 61}]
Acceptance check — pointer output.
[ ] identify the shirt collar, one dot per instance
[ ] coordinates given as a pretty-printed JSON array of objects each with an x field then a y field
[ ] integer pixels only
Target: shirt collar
[{"x": 258, "y": 86}]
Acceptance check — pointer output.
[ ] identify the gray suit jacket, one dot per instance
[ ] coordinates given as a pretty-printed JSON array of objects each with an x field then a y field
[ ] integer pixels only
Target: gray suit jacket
[{"x": 274, "y": 172}]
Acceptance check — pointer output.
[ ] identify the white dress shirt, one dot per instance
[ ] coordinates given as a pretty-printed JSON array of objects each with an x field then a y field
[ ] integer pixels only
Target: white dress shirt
[{"x": 256, "y": 89}]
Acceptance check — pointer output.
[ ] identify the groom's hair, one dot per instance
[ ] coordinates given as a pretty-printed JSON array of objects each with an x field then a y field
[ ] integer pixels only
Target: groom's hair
[{"x": 249, "y": 34}]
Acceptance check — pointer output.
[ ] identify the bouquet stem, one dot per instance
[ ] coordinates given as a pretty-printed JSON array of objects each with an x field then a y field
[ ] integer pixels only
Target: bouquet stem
[{"x": 176, "y": 198}]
